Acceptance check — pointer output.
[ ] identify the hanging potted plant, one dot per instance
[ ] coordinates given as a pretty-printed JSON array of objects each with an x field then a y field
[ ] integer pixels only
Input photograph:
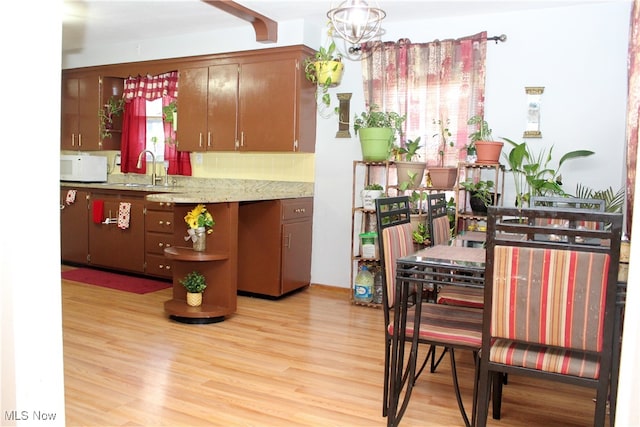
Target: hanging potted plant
[
  {"x": 410, "y": 172},
  {"x": 487, "y": 150},
  {"x": 325, "y": 70},
  {"x": 441, "y": 176},
  {"x": 377, "y": 131},
  {"x": 195, "y": 284}
]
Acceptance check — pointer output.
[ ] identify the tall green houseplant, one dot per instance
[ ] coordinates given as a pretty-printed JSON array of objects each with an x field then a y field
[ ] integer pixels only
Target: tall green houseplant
[{"x": 377, "y": 131}]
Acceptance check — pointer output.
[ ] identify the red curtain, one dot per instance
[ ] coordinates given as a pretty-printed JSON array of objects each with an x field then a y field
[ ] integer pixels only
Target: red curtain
[
  {"x": 433, "y": 83},
  {"x": 633, "y": 109},
  {"x": 148, "y": 88},
  {"x": 134, "y": 135}
]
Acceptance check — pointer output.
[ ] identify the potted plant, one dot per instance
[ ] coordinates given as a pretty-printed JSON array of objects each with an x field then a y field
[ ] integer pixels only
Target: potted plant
[
  {"x": 421, "y": 235},
  {"x": 533, "y": 174},
  {"x": 369, "y": 195},
  {"x": 487, "y": 150},
  {"x": 418, "y": 214},
  {"x": 481, "y": 195},
  {"x": 195, "y": 284},
  {"x": 113, "y": 108},
  {"x": 324, "y": 69},
  {"x": 198, "y": 220},
  {"x": 377, "y": 131},
  {"x": 410, "y": 172},
  {"x": 441, "y": 176},
  {"x": 170, "y": 114}
]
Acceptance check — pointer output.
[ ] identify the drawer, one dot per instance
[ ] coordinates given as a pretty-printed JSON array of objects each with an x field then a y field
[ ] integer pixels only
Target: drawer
[
  {"x": 293, "y": 209},
  {"x": 158, "y": 265},
  {"x": 159, "y": 206},
  {"x": 159, "y": 221},
  {"x": 155, "y": 243}
]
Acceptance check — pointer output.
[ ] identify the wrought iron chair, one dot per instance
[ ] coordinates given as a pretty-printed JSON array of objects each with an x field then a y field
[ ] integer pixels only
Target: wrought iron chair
[
  {"x": 549, "y": 303},
  {"x": 440, "y": 325}
]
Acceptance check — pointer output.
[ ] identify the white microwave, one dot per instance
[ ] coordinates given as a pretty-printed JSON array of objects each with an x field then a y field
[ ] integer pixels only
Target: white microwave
[{"x": 83, "y": 168}]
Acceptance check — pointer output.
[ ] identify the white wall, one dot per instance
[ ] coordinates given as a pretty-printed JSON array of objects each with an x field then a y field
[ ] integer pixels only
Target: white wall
[{"x": 579, "y": 54}]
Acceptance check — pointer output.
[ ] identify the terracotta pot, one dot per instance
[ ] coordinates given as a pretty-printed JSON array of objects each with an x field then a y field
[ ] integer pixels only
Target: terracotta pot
[
  {"x": 444, "y": 178},
  {"x": 406, "y": 170},
  {"x": 488, "y": 152}
]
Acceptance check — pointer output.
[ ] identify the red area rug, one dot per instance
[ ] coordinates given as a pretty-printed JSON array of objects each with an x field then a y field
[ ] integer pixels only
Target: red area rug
[{"x": 121, "y": 282}]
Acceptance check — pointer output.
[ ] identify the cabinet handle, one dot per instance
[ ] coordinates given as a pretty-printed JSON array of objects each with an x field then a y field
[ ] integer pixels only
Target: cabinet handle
[
  {"x": 288, "y": 244},
  {"x": 168, "y": 222},
  {"x": 161, "y": 203},
  {"x": 208, "y": 139},
  {"x": 242, "y": 139},
  {"x": 73, "y": 139},
  {"x": 300, "y": 210},
  {"x": 168, "y": 267},
  {"x": 167, "y": 245},
  {"x": 200, "y": 140},
  {"x": 160, "y": 244},
  {"x": 79, "y": 140}
]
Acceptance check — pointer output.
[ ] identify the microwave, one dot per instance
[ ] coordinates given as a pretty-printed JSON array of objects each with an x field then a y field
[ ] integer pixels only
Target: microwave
[{"x": 83, "y": 168}]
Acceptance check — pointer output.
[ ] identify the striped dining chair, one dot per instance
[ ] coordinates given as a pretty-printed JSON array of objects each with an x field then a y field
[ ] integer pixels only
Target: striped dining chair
[{"x": 549, "y": 304}]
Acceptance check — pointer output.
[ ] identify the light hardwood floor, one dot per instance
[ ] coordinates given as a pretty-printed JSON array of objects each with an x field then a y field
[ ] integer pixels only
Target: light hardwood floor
[{"x": 311, "y": 359}]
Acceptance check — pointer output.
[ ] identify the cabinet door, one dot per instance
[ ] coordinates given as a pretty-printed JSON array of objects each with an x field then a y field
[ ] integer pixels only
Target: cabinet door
[
  {"x": 192, "y": 114},
  {"x": 296, "y": 255},
  {"x": 69, "y": 125},
  {"x": 268, "y": 105},
  {"x": 110, "y": 87},
  {"x": 74, "y": 223},
  {"x": 222, "y": 121},
  {"x": 88, "y": 104},
  {"x": 110, "y": 246}
]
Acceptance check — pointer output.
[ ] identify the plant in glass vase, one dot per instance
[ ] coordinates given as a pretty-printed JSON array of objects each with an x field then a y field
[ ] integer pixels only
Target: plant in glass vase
[{"x": 198, "y": 220}]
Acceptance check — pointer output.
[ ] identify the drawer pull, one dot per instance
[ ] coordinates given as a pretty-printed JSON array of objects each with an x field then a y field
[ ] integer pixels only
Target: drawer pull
[
  {"x": 167, "y": 245},
  {"x": 160, "y": 222},
  {"x": 168, "y": 222},
  {"x": 161, "y": 203},
  {"x": 160, "y": 244},
  {"x": 300, "y": 210},
  {"x": 168, "y": 267},
  {"x": 161, "y": 266}
]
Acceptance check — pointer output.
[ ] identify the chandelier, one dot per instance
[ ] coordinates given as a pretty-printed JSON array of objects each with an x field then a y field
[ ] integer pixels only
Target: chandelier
[{"x": 355, "y": 21}]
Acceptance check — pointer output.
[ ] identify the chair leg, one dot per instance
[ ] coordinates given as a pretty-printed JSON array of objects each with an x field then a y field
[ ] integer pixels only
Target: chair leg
[
  {"x": 387, "y": 370},
  {"x": 484, "y": 388},
  {"x": 431, "y": 353},
  {"x": 434, "y": 362},
  {"x": 456, "y": 387},
  {"x": 498, "y": 381}
]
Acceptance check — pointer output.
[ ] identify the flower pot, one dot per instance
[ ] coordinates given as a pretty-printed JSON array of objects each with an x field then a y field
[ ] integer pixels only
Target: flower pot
[
  {"x": 200, "y": 239},
  {"x": 417, "y": 219},
  {"x": 375, "y": 143},
  {"x": 369, "y": 198},
  {"x": 444, "y": 178},
  {"x": 326, "y": 70},
  {"x": 194, "y": 299},
  {"x": 488, "y": 152},
  {"x": 407, "y": 170},
  {"x": 477, "y": 205}
]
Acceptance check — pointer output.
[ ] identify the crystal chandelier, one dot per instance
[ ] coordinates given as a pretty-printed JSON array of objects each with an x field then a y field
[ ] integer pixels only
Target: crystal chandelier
[{"x": 355, "y": 21}]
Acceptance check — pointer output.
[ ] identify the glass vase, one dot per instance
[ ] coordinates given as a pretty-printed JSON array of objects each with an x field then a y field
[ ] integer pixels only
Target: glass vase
[{"x": 200, "y": 240}]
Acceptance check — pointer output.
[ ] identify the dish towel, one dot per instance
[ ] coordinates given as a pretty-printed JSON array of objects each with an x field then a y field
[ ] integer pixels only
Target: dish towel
[
  {"x": 124, "y": 214},
  {"x": 71, "y": 197},
  {"x": 97, "y": 207}
]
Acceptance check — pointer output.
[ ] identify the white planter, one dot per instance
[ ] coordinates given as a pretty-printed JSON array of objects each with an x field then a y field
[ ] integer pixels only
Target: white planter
[{"x": 369, "y": 198}]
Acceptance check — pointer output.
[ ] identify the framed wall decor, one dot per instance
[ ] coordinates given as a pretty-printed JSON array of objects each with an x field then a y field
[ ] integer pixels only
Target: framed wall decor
[
  {"x": 343, "y": 115},
  {"x": 534, "y": 98}
]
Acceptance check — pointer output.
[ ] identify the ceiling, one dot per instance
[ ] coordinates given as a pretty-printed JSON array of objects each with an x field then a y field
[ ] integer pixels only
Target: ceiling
[{"x": 103, "y": 22}]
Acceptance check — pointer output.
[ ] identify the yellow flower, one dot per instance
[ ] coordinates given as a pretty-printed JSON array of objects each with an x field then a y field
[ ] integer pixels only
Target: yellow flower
[{"x": 200, "y": 217}]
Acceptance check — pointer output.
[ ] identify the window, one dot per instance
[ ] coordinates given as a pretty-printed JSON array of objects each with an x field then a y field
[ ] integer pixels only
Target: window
[{"x": 155, "y": 130}]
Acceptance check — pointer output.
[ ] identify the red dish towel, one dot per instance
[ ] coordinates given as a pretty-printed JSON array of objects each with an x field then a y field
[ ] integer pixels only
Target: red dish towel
[
  {"x": 124, "y": 213},
  {"x": 97, "y": 207}
]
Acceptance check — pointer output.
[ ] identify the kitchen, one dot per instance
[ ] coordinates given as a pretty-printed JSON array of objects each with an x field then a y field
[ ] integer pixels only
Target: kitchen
[{"x": 332, "y": 172}]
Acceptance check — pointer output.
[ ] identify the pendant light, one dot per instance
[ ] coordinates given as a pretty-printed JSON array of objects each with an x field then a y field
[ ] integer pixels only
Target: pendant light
[{"x": 355, "y": 21}]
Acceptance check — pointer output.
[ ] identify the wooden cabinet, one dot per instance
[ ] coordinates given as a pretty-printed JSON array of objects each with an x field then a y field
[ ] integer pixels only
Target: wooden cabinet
[
  {"x": 158, "y": 236},
  {"x": 82, "y": 98},
  {"x": 219, "y": 265},
  {"x": 111, "y": 246},
  {"x": 74, "y": 226},
  {"x": 254, "y": 102},
  {"x": 274, "y": 246}
]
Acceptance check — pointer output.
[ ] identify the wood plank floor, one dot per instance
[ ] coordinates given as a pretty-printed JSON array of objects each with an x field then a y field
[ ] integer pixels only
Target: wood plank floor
[{"x": 311, "y": 359}]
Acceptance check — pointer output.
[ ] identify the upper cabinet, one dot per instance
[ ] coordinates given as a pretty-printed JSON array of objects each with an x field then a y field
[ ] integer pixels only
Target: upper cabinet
[
  {"x": 83, "y": 97},
  {"x": 253, "y": 102}
]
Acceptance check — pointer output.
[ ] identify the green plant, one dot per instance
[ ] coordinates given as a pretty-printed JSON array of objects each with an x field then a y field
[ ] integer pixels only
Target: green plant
[
  {"x": 194, "y": 282},
  {"x": 406, "y": 152},
  {"x": 532, "y": 173},
  {"x": 417, "y": 200},
  {"x": 113, "y": 108},
  {"x": 483, "y": 132},
  {"x": 482, "y": 190},
  {"x": 323, "y": 62},
  {"x": 373, "y": 118},
  {"x": 421, "y": 235},
  {"x": 613, "y": 202},
  {"x": 443, "y": 134},
  {"x": 168, "y": 110},
  {"x": 374, "y": 186}
]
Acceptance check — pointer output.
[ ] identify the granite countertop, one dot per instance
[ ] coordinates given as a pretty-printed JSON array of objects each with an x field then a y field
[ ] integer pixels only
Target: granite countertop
[{"x": 203, "y": 190}]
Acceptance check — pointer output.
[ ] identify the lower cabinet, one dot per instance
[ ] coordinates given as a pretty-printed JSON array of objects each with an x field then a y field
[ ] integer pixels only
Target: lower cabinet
[
  {"x": 157, "y": 237},
  {"x": 109, "y": 245},
  {"x": 74, "y": 225},
  {"x": 274, "y": 246}
]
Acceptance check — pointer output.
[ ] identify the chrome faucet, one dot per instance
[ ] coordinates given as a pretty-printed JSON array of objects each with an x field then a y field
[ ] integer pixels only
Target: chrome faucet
[{"x": 154, "y": 179}]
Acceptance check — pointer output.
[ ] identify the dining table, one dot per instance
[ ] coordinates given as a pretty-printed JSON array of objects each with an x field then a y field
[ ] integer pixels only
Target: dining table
[{"x": 428, "y": 269}]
